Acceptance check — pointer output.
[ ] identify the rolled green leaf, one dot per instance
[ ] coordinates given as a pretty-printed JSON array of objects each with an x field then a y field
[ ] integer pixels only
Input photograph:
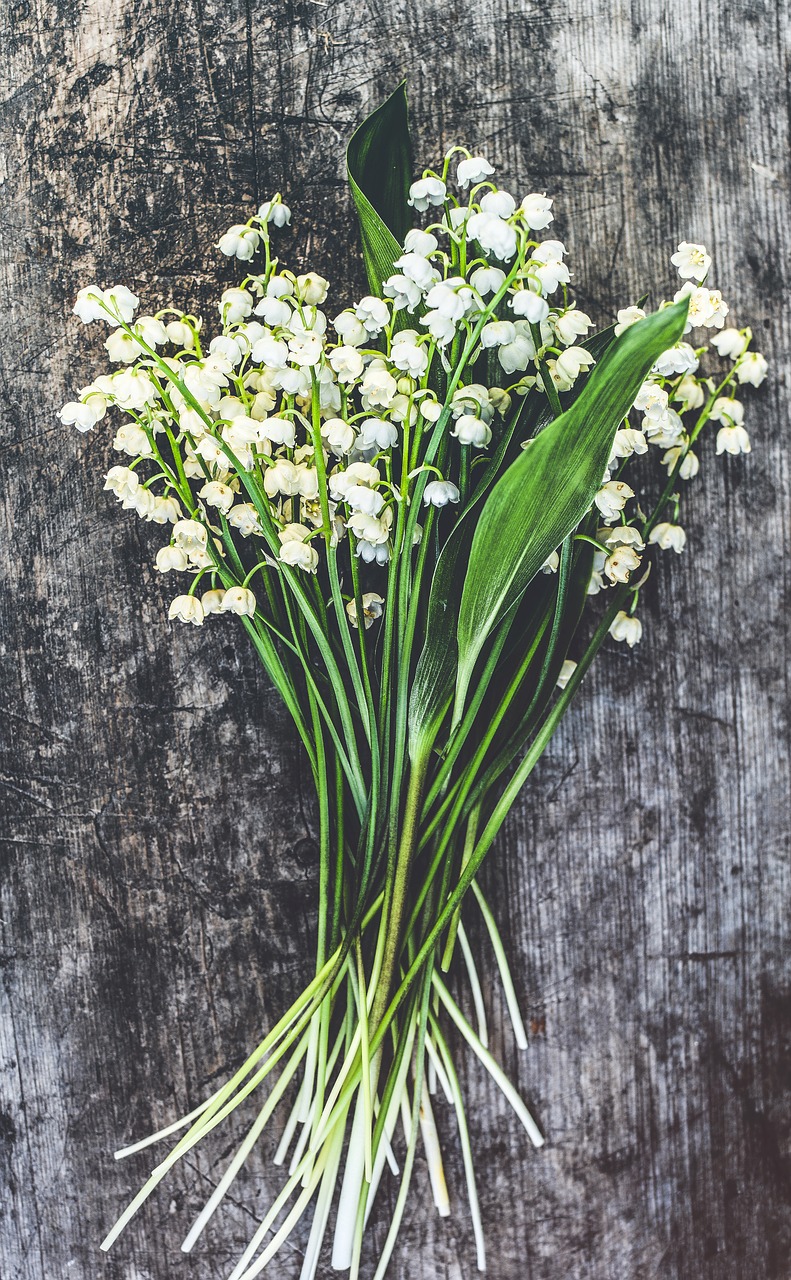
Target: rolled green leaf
[
  {"x": 545, "y": 493},
  {"x": 379, "y": 164}
]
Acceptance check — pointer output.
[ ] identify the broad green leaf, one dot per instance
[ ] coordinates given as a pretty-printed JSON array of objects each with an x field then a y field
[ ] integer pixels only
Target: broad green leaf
[
  {"x": 435, "y": 676},
  {"x": 540, "y": 682},
  {"x": 379, "y": 164},
  {"x": 545, "y": 493}
]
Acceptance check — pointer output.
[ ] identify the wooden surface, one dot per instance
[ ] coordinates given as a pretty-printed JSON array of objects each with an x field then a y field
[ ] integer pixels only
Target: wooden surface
[{"x": 158, "y": 869}]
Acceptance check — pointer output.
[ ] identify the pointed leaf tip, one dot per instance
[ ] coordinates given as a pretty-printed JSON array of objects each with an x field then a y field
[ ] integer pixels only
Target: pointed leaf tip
[{"x": 379, "y": 165}]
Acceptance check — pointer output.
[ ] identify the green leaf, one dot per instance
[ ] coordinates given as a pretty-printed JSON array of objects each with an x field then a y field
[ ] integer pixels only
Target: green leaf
[
  {"x": 545, "y": 493},
  {"x": 435, "y": 676},
  {"x": 379, "y": 164},
  {"x": 432, "y": 687}
]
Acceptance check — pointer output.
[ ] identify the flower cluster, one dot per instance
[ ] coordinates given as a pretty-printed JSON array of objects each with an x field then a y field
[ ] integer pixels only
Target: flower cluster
[
  {"x": 674, "y": 404},
  {"x": 253, "y": 401},
  {"x": 291, "y": 430}
]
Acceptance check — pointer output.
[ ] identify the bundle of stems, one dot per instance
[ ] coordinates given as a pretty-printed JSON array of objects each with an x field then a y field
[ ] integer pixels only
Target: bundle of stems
[{"x": 408, "y": 523}]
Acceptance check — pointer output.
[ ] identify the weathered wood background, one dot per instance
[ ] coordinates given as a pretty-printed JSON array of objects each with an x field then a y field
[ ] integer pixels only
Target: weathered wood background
[{"x": 158, "y": 864}]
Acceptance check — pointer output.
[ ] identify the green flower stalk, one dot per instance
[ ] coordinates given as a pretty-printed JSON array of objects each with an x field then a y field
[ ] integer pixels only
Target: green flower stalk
[{"x": 409, "y": 509}]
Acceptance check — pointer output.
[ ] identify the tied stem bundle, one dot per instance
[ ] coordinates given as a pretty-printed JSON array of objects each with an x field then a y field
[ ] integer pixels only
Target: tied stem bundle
[{"x": 408, "y": 519}]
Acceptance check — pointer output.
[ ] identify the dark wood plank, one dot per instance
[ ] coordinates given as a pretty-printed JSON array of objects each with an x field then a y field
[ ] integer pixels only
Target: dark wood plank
[{"x": 158, "y": 870}]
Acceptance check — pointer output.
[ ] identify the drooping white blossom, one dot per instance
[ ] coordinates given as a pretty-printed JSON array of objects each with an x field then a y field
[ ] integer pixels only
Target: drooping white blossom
[
  {"x": 422, "y": 242},
  {"x": 487, "y": 280},
  {"x": 707, "y": 308},
  {"x": 239, "y": 242},
  {"x": 612, "y": 498},
  {"x": 276, "y": 212},
  {"x": 536, "y": 211},
  {"x": 494, "y": 234},
  {"x": 752, "y": 368},
  {"x": 530, "y": 306},
  {"x": 373, "y": 605},
  {"x": 81, "y": 414},
  {"x": 627, "y": 629},
  {"x": 678, "y": 359},
  {"x": 690, "y": 465},
  {"x": 171, "y": 558},
  {"x": 733, "y": 440},
  {"x": 627, "y": 441},
  {"x": 239, "y": 600},
  {"x": 211, "y": 601},
  {"x": 114, "y": 305},
  {"x": 438, "y": 493},
  {"x": 425, "y": 192},
  {"x": 621, "y": 564},
  {"x": 473, "y": 431},
  {"x": 475, "y": 169},
  {"x": 570, "y": 325},
  {"x": 668, "y": 537},
  {"x": 628, "y": 316},
  {"x": 311, "y": 289},
  {"x": 186, "y": 609},
  {"x": 731, "y": 343},
  {"x": 569, "y": 365}
]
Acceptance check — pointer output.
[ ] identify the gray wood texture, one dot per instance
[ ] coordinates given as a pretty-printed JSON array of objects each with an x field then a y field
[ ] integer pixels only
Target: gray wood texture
[{"x": 158, "y": 869}]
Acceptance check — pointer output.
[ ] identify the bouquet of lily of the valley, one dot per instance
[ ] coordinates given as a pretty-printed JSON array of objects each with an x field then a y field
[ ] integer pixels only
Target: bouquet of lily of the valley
[{"x": 418, "y": 506}]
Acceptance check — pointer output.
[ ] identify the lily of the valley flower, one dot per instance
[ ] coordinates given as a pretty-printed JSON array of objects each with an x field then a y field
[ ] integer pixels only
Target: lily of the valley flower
[
  {"x": 239, "y": 600},
  {"x": 612, "y": 498},
  {"x": 276, "y": 212},
  {"x": 425, "y": 192},
  {"x": 536, "y": 211},
  {"x": 569, "y": 365},
  {"x": 668, "y": 537},
  {"x": 438, "y": 493},
  {"x": 690, "y": 465},
  {"x": 211, "y": 601},
  {"x": 571, "y": 325},
  {"x": 81, "y": 414},
  {"x": 752, "y": 368},
  {"x": 621, "y": 564},
  {"x": 186, "y": 609},
  {"x": 373, "y": 604},
  {"x": 170, "y": 558},
  {"x": 626, "y": 317},
  {"x": 239, "y": 242},
  {"x": 626, "y": 629},
  {"x": 730, "y": 343},
  {"x": 114, "y": 305},
  {"x": 476, "y": 169},
  {"x": 733, "y": 440},
  {"x": 691, "y": 261},
  {"x": 471, "y": 430}
]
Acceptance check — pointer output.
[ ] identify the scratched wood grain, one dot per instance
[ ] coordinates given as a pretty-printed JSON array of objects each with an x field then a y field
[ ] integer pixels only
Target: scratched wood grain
[{"x": 158, "y": 865}]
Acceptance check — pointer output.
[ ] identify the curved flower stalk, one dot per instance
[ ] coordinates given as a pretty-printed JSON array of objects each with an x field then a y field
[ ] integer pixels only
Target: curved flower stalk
[{"x": 408, "y": 504}]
